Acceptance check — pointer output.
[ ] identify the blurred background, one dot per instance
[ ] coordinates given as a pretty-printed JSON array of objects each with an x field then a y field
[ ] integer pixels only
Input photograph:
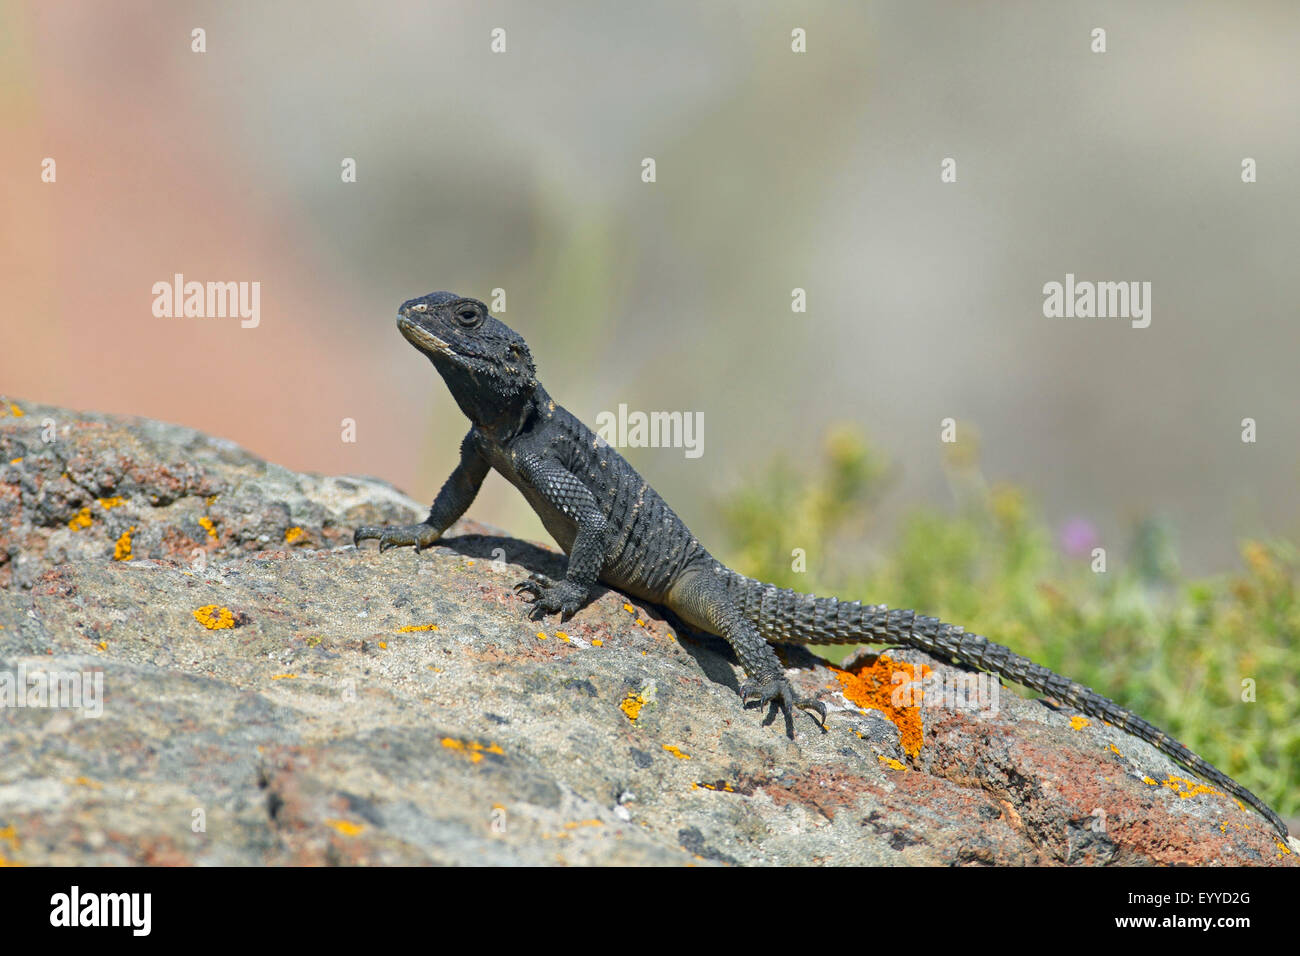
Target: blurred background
[{"x": 521, "y": 170}]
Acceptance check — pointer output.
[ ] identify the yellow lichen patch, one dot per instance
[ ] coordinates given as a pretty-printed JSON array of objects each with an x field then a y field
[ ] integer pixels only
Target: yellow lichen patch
[
  {"x": 891, "y": 763},
  {"x": 208, "y": 526},
  {"x": 103, "y": 645},
  {"x": 1150, "y": 783},
  {"x": 872, "y": 685},
  {"x": 85, "y": 782},
  {"x": 628, "y": 608},
  {"x": 1113, "y": 749},
  {"x": 541, "y": 635},
  {"x": 584, "y": 823},
  {"x": 112, "y": 502},
  {"x": 1078, "y": 723},
  {"x": 346, "y": 827},
  {"x": 471, "y": 748},
  {"x": 640, "y": 622},
  {"x": 383, "y": 645},
  {"x": 9, "y": 835},
  {"x": 284, "y": 677},
  {"x": 562, "y": 636},
  {"x": 719, "y": 786},
  {"x": 676, "y": 753},
  {"x": 15, "y": 411},
  {"x": 15, "y": 461},
  {"x": 214, "y": 618},
  {"x": 1188, "y": 788},
  {"x": 293, "y": 534},
  {"x": 597, "y": 642},
  {"x": 632, "y": 704},
  {"x": 1283, "y": 847},
  {"x": 81, "y": 520},
  {"x": 417, "y": 627},
  {"x": 210, "y": 500},
  {"x": 122, "y": 550}
]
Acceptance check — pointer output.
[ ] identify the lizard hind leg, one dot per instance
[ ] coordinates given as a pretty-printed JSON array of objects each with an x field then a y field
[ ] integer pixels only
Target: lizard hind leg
[{"x": 702, "y": 599}]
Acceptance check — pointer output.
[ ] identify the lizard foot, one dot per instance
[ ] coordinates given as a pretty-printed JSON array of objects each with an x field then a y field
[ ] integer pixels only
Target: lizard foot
[
  {"x": 551, "y": 597},
  {"x": 397, "y": 535},
  {"x": 778, "y": 690}
]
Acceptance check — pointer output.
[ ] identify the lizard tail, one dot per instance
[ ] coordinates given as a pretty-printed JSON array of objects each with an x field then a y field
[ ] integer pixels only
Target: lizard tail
[{"x": 784, "y": 616}]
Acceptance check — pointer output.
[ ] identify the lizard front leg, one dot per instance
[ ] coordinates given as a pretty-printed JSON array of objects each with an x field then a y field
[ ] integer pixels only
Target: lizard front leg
[
  {"x": 562, "y": 490},
  {"x": 457, "y": 494},
  {"x": 699, "y": 596}
]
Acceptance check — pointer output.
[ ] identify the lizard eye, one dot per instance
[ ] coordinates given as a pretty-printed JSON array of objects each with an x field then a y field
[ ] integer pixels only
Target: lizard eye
[{"x": 468, "y": 317}]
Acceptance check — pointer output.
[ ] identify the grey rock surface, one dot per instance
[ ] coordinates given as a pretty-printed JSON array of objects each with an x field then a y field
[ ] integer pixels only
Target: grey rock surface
[{"x": 271, "y": 695}]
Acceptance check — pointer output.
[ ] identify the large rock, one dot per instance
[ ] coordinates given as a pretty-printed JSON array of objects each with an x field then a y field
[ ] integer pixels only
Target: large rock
[{"x": 272, "y": 695}]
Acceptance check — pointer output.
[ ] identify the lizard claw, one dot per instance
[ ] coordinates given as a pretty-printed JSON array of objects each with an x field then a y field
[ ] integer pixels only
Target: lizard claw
[
  {"x": 551, "y": 597},
  {"x": 534, "y": 585},
  {"x": 778, "y": 692}
]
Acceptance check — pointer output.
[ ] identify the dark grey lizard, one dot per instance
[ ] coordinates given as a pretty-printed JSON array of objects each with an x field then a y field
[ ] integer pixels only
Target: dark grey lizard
[{"x": 616, "y": 529}]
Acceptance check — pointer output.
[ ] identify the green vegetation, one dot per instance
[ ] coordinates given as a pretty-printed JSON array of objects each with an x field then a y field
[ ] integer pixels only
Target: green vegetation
[{"x": 1172, "y": 649}]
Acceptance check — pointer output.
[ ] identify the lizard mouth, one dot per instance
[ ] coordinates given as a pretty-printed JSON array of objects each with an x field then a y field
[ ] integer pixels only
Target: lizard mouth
[{"x": 422, "y": 338}]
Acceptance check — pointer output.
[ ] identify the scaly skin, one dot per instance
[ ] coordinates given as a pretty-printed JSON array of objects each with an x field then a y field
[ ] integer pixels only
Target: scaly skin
[{"x": 616, "y": 529}]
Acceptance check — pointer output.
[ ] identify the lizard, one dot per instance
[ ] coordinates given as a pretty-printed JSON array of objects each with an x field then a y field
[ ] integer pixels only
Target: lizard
[{"x": 616, "y": 529}]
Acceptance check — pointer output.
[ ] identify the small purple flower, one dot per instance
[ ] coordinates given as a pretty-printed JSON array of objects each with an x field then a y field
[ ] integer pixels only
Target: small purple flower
[{"x": 1078, "y": 537}]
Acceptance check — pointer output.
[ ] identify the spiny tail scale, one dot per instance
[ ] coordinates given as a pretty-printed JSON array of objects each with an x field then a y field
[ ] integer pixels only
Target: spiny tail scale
[{"x": 785, "y": 616}]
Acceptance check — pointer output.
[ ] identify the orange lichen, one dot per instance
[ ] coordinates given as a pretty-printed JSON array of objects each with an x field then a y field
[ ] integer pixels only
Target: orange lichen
[
  {"x": 122, "y": 550},
  {"x": 541, "y": 635},
  {"x": 676, "y": 753},
  {"x": 872, "y": 685},
  {"x": 1113, "y": 749},
  {"x": 293, "y": 534},
  {"x": 597, "y": 642},
  {"x": 720, "y": 786},
  {"x": 562, "y": 636},
  {"x": 284, "y": 677},
  {"x": 1078, "y": 723},
  {"x": 103, "y": 645},
  {"x": 891, "y": 763},
  {"x": 10, "y": 835},
  {"x": 1188, "y": 788},
  {"x": 208, "y": 526},
  {"x": 112, "y": 502},
  {"x": 346, "y": 827},
  {"x": 1150, "y": 783},
  {"x": 214, "y": 618},
  {"x": 82, "y": 520},
  {"x": 15, "y": 461},
  {"x": 417, "y": 627},
  {"x": 632, "y": 704},
  {"x": 470, "y": 748},
  {"x": 628, "y": 608},
  {"x": 15, "y": 411}
]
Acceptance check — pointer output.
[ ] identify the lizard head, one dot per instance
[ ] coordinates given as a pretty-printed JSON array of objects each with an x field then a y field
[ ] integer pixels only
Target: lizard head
[{"x": 485, "y": 363}]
